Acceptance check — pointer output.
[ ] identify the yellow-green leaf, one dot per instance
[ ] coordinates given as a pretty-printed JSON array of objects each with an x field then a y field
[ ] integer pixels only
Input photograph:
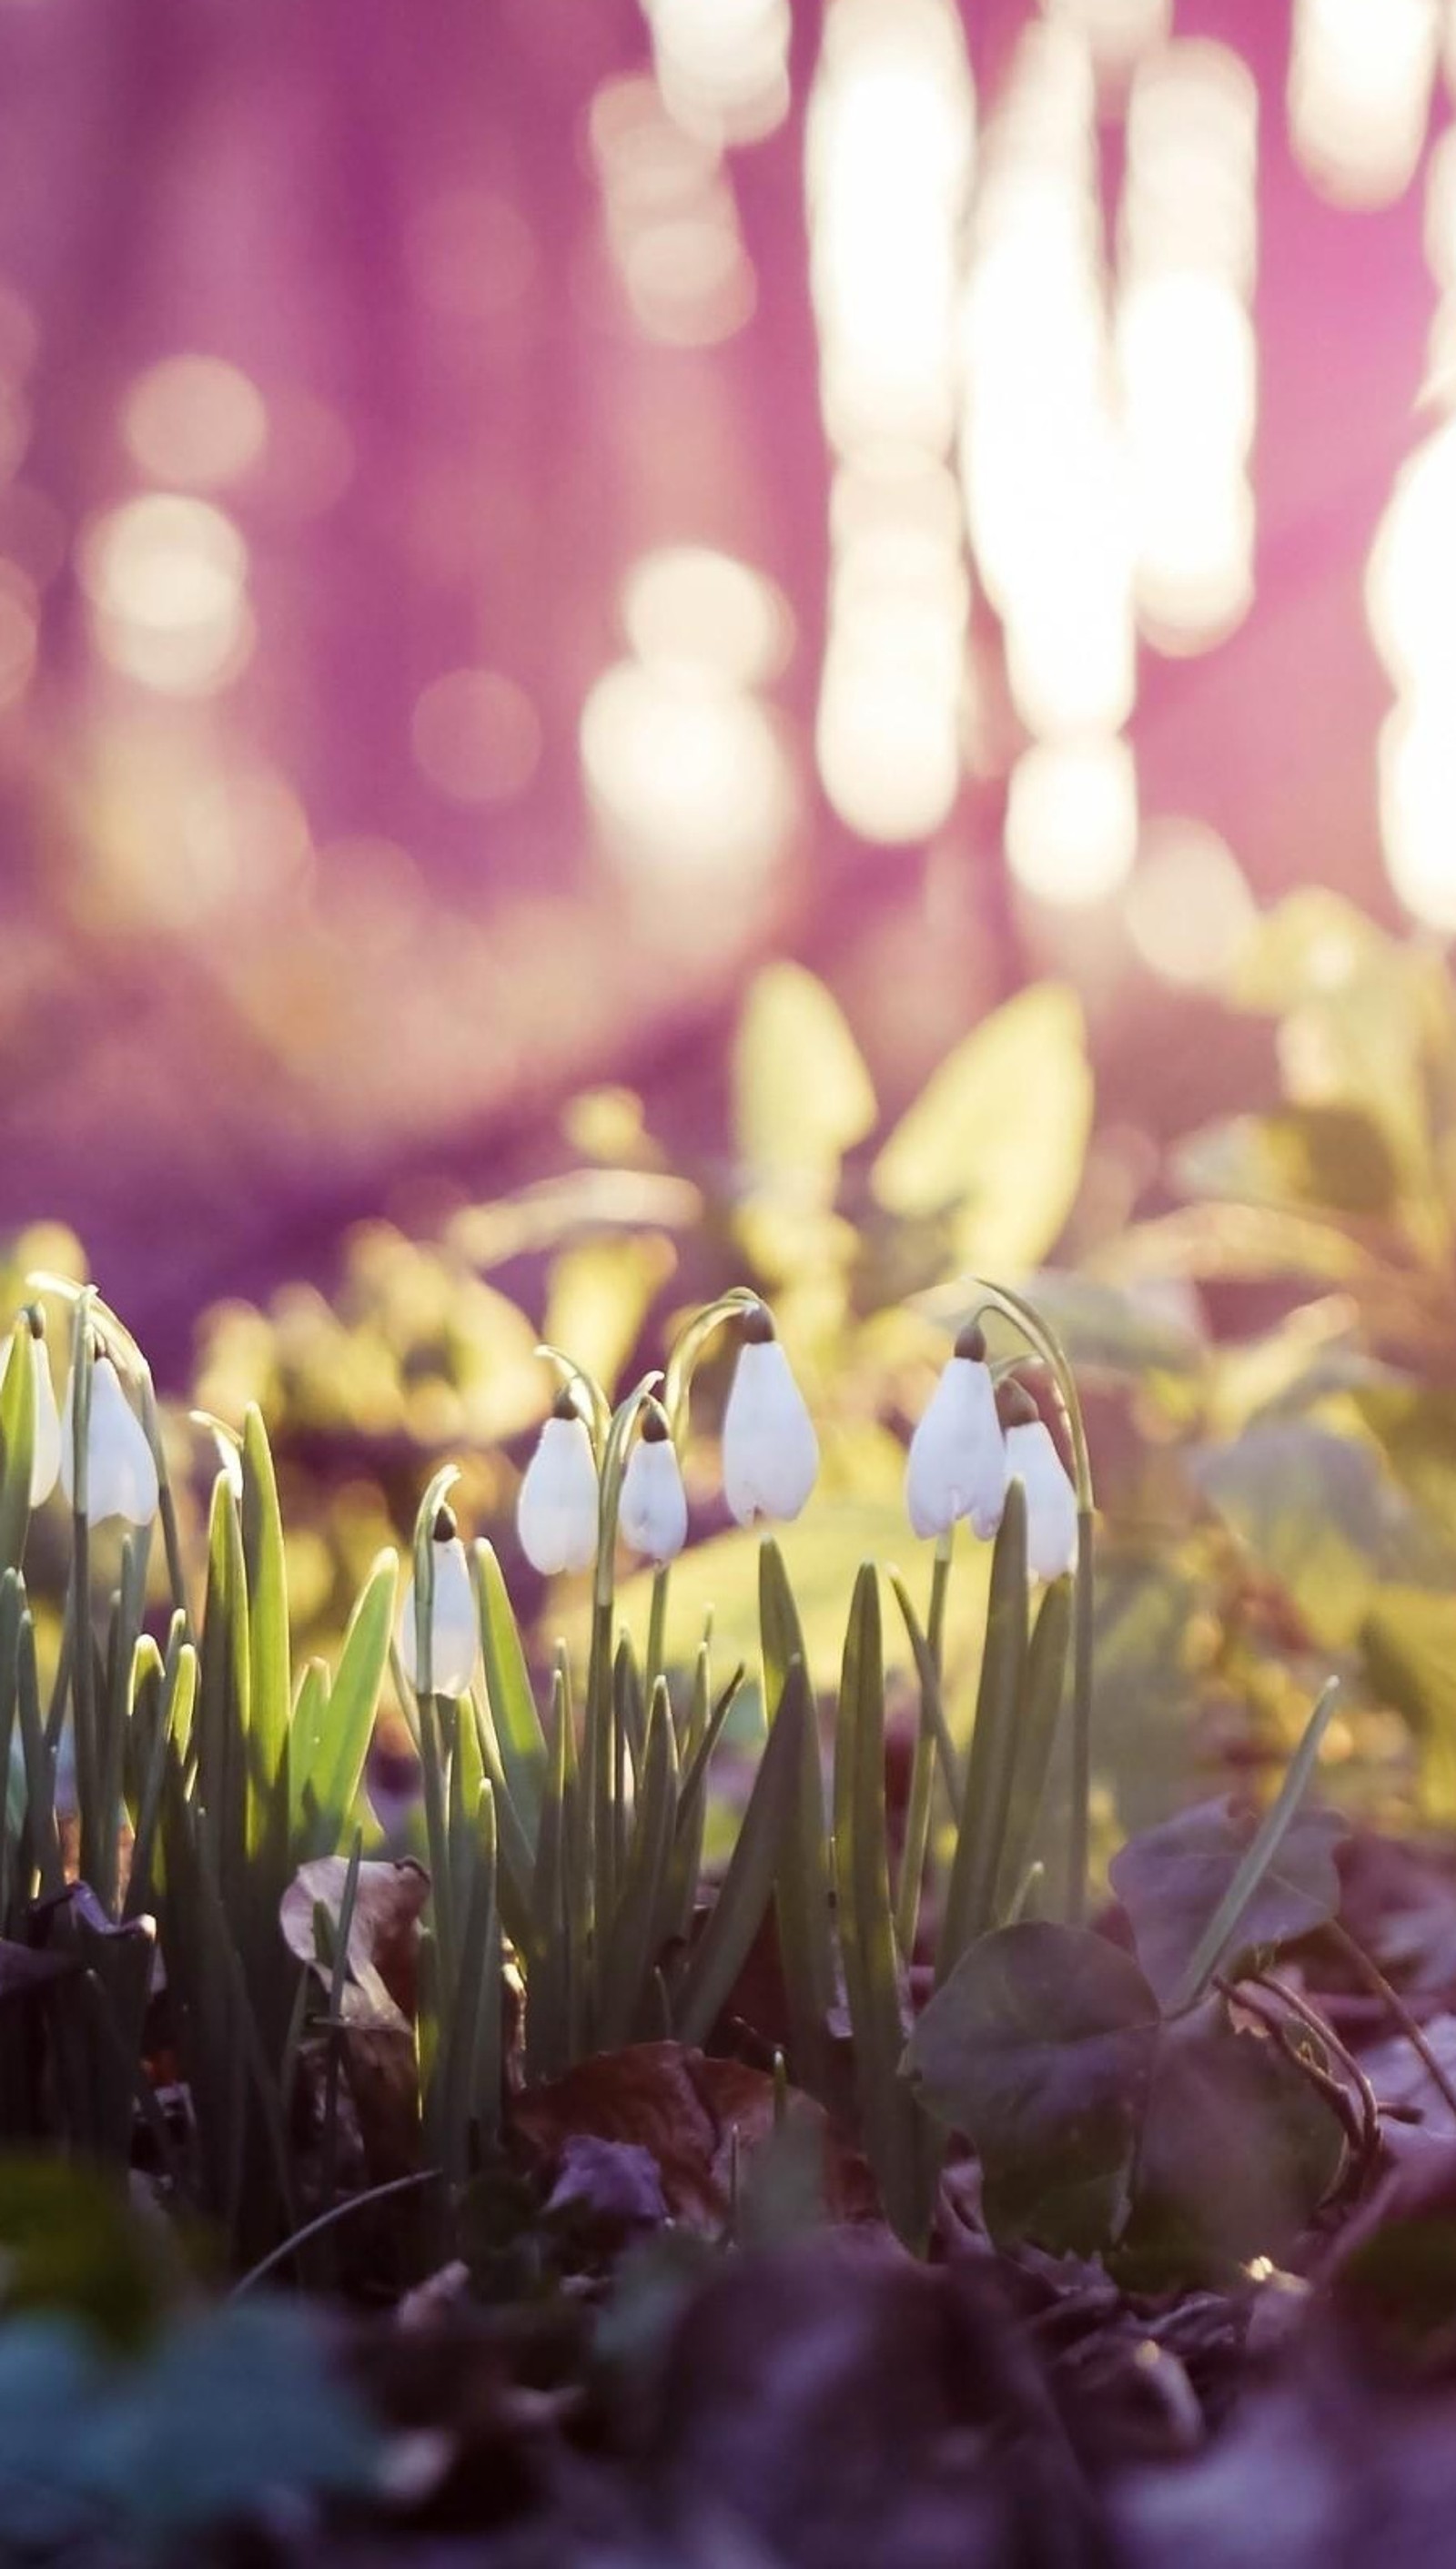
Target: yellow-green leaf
[
  {"x": 997, "y": 1137},
  {"x": 801, "y": 1093}
]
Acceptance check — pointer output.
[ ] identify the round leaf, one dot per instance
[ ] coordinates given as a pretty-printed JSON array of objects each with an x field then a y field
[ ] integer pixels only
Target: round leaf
[{"x": 1039, "y": 2047}]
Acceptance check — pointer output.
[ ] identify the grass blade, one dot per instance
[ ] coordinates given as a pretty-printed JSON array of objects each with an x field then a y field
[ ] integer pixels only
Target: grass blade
[
  {"x": 222, "y": 1688},
  {"x": 17, "y": 1445},
  {"x": 637, "y": 1928},
  {"x": 1037, "y": 1730},
  {"x": 517, "y": 1856},
  {"x": 350, "y": 1701},
  {"x": 548, "y": 1994},
  {"x": 877, "y": 2017},
  {"x": 769, "y": 1840},
  {"x": 269, "y": 1688},
  {"x": 508, "y": 1687},
  {"x": 933, "y": 1701},
  {"x": 970, "y": 1894},
  {"x": 40, "y": 1766},
  {"x": 801, "y": 1892},
  {"x": 175, "y": 1713},
  {"x": 1261, "y": 1851}
]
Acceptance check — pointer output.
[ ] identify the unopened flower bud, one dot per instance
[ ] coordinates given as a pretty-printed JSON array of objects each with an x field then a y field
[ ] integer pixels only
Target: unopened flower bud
[
  {"x": 45, "y": 1453},
  {"x": 1051, "y": 1502},
  {"x": 556, "y": 1511},
  {"x": 958, "y": 1455},
  {"x": 652, "y": 1513},
  {"x": 120, "y": 1468},
  {"x": 453, "y": 1630},
  {"x": 770, "y": 1450}
]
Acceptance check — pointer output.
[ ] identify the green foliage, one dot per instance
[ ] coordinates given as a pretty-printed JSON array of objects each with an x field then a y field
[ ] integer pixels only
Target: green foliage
[
  {"x": 995, "y": 1142},
  {"x": 1159, "y": 2135},
  {"x": 1293, "y": 1493}
]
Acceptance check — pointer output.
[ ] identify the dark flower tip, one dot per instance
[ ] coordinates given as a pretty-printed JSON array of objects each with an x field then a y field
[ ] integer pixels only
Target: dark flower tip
[
  {"x": 654, "y": 1430},
  {"x": 36, "y": 1320},
  {"x": 972, "y": 1342},
  {"x": 756, "y": 1328},
  {"x": 565, "y": 1405},
  {"x": 1014, "y": 1405},
  {"x": 444, "y": 1528}
]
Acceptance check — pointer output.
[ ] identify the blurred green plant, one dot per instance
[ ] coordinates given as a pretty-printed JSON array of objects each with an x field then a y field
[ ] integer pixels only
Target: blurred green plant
[
  {"x": 1273, "y": 1505},
  {"x": 216, "y": 1795}
]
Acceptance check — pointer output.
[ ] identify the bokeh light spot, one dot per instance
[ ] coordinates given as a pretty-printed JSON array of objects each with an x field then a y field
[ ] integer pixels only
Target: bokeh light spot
[
  {"x": 196, "y": 422},
  {"x": 166, "y": 577},
  {"x": 689, "y": 607},
  {"x": 692, "y": 781},
  {"x": 1189, "y": 908},
  {"x": 1072, "y": 819}
]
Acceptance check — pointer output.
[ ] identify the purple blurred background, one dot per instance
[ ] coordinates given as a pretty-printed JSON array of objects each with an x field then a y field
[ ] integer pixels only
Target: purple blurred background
[{"x": 353, "y": 356}]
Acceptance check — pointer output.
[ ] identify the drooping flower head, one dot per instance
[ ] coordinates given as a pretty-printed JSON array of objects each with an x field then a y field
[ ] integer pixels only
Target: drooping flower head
[
  {"x": 770, "y": 1450},
  {"x": 120, "y": 1468},
  {"x": 652, "y": 1512},
  {"x": 556, "y": 1511},
  {"x": 454, "y": 1629},
  {"x": 45, "y": 1456},
  {"x": 957, "y": 1466},
  {"x": 1051, "y": 1502}
]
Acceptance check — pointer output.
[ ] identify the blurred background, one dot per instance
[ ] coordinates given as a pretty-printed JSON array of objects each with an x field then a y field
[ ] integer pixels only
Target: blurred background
[{"x": 513, "y": 514}]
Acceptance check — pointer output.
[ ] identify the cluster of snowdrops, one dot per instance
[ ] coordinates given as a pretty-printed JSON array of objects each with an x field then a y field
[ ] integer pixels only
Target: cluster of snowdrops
[{"x": 973, "y": 1439}]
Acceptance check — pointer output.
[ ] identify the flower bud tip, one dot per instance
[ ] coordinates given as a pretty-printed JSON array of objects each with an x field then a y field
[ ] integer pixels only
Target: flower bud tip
[{"x": 1014, "y": 1405}]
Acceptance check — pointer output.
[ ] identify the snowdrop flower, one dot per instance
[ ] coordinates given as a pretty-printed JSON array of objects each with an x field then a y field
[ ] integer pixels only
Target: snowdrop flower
[
  {"x": 120, "y": 1468},
  {"x": 45, "y": 1461},
  {"x": 652, "y": 1513},
  {"x": 1051, "y": 1502},
  {"x": 770, "y": 1450},
  {"x": 557, "y": 1511},
  {"x": 957, "y": 1454},
  {"x": 453, "y": 1630}
]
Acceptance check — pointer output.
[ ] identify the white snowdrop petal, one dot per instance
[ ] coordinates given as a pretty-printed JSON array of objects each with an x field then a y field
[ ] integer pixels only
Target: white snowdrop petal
[
  {"x": 453, "y": 1630},
  {"x": 1051, "y": 1502},
  {"x": 652, "y": 1516},
  {"x": 770, "y": 1450},
  {"x": 555, "y": 1514},
  {"x": 121, "y": 1469},
  {"x": 957, "y": 1466}
]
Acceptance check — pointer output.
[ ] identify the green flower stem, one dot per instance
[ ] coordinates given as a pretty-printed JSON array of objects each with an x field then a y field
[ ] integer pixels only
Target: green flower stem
[
  {"x": 82, "y": 1672},
  {"x": 677, "y": 1381},
  {"x": 656, "y": 1629},
  {"x": 576, "y": 1377},
  {"x": 1044, "y": 1343},
  {"x": 1081, "y": 1816},
  {"x": 166, "y": 1503},
  {"x": 602, "y": 1761},
  {"x": 433, "y": 1775},
  {"x": 940, "y": 1590},
  {"x": 922, "y": 1769}
]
